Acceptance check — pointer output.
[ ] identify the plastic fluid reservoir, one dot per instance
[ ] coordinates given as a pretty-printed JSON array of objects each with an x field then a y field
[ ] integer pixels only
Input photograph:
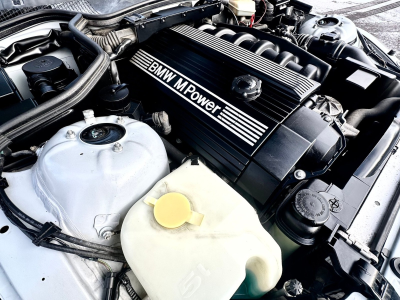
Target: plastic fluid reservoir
[
  {"x": 242, "y": 8},
  {"x": 194, "y": 237}
]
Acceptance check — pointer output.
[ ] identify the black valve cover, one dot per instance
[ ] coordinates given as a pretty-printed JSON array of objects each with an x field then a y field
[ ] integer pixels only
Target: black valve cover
[{"x": 189, "y": 74}]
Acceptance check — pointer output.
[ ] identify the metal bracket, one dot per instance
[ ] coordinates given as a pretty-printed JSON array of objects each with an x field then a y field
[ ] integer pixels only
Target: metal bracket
[
  {"x": 89, "y": 116},
  {"x": 363, "y": 249}
]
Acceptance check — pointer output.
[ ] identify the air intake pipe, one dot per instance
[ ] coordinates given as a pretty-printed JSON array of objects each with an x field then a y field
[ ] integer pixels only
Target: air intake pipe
[
  {"x": 265, "y": 48},
  {"x": 330, "y": 49}
]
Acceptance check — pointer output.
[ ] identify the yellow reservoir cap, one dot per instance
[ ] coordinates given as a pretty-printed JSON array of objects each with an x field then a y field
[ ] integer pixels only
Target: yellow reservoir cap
[{"x": 173, "y": 210}]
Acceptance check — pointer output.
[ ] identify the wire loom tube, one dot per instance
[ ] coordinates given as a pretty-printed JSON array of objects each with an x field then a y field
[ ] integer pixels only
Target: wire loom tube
[
  {"x": 15, "y": 215},
  {"x": 31, "y": 234},
  {"x": 15, "y": 210},
  {"x": 381, "y": 109}
]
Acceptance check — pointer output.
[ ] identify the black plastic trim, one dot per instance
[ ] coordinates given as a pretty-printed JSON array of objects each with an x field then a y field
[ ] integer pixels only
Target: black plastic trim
[{"x": 64, "y": 101}]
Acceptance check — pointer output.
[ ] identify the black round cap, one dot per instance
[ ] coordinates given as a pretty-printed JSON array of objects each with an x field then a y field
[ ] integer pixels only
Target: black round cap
[
  {"x": 246, "y": 87},
  {"x": 46, "y": 68},
  {"x": 43, "y": 65},
  {"x": 115, "y": 97},
  {"x": 311, "y": 207}
]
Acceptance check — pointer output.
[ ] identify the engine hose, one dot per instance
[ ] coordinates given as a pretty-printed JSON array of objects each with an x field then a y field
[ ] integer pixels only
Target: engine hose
[
  {"x": 333, "y": 50},
  {"x": 15, "y": 210},
  {"x": 380, "y": 110},
  {"x": 22, "y": 153},
  {"x": 291, "y": 37},
  {"x": 173, "y": 152}
]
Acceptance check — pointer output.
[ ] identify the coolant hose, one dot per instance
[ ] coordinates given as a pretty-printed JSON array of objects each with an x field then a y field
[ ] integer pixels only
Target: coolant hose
[
  {"x": 173, "y": 152},
  {"x": 388, "y": 105}
]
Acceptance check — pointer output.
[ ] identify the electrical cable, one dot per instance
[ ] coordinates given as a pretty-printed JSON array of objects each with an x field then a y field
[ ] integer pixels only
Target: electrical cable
[
  {"x": 117, "y": 290},
  {"x": 237, "y": 21},
  {"x": 31, "y": 234},
  {"x": 106, "y": 265},
  {"x": 17, "y": 217},
  {"x": 22, "y": 153},
  {"x": 124, "y": 279},
  {"x": 265, "y": 11},
  {"x": 15, "y": 210}
]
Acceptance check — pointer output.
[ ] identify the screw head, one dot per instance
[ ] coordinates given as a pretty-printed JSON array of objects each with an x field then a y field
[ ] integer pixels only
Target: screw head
[
  {"x": 120, "y": 120},
  {"x": 70, "y": 134},
  {"x": 327, "y": 118},
  {"x": 293, "y": 288},
  {"x": 117, "y": 147},
  {"x": 107, "y": 235},
  {"x": 299, "y": 174}
]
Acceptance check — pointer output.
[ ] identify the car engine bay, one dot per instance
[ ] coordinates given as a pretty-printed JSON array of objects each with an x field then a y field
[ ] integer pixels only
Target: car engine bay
[{"x": 196, "y": 150}]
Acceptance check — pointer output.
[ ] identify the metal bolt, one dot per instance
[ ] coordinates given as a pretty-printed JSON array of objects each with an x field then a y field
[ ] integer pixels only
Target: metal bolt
[
  {"x": 293, "y": 288},
  {"x": 299, "y": 174},
  {"x": 34, "y": 148},
  {"x": 327, "y": 119},
  {"x": 117, "y": 147},
  {"x": 120, "y": 120},
  {"x": 107, "y": 235},
  {"x": 70, "y": 134}
]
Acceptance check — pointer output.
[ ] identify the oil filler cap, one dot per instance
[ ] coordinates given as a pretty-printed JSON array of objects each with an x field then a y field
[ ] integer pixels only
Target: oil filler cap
[
  {"x": 311, "y": 207},
  {"x": 246, "y": 87},
  {"x": 173, "y": 210}
]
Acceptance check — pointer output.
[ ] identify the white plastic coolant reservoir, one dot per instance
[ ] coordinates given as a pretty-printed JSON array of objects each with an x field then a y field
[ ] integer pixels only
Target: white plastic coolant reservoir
[
  {"x": 90, "y": 173},
  {"x": 194, "y": 237},
  {"x": 242, "y": 7}
]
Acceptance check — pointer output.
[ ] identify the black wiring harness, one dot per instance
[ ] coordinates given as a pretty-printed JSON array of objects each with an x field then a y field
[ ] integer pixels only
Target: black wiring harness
[{"x": 48, "y": 235}]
